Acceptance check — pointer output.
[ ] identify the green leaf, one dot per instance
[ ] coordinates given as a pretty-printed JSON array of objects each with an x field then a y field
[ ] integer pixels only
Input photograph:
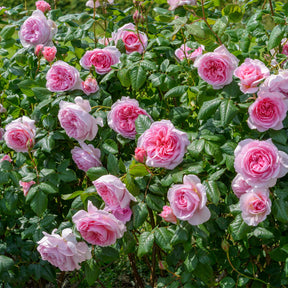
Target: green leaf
[
  {"x": 205, "y": 273},
  {"x": 234, "y": 12},
  {"x": 238, "y": 228},
  {"x": 163, "y": 237},
  {"x": 7, "y": 32},
  {"x": 196, "y": 147},
  {"x": 92, "y": 271},
  {"x": 227, "y": 111},
  {"x": 110, "y": 146},
  {"x": 140, "y": 213},
  {"x": 275, "y": 37},
  {"x": 156, "y": 203},
  {"x": 191, "y": 261},
  {"x": 146, "y": 241},
  {"x": 137, "y": 77},
  {"x": 142, "y": 123},
  {"x": 177, "y": 91},
  {"x": 262, "y": 233},
  {"x": 121, "y": 46},
  {"x": 39, "y": 203},
  {"x": 106, "y": 254},
  {"x": 220, "y": 26},
  {"x": 131, "y": 185},
  {"x": 180, "y": 236},
  {"x": 212, "y": 190},
  {"x": 96, "y": 172},
  {"x": 137, "y": 169},
  {"x": 129, "y": 243},
  {"x": 201, "y": 33},
  {"x": 227, "y": 282},
  {"x": 72, "y": 195},
  {"x": 112, "y": 164},
  {"x": 5, "y": 263},
  {"x": 208, "y": 108},
  {"x": 47, "y": 143},
  {"x": 123, "y": 76},
  {"x": 178, "y": 115},
  {"x": 48, "y": 188},
  {"x": 280, "y": 210},
  {"x": 213, "y": 149},
  {"x": 67, "y": 175}
]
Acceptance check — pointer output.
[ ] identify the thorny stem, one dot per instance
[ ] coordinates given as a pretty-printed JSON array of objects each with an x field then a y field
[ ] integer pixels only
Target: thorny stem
[
  {"x": 102, "y": 285},
  {"x": 137, "y": 277},
  {"x": 34, "y": 165},
  {"x": 271, "y": 7}
]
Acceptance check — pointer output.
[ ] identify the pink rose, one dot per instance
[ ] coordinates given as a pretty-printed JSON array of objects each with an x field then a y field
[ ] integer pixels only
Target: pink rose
[
  {"x": 77, "y": 121},
  {"x": 101, "y": 59},
  {"x": 176, "y": 3},
  {"x": 89, "y": 86},
  {"x": 185, "y": 52},
  {"x": 140, "y": 155},
  {"x": 49, "y": 53},
  {"x": 62, "y": 77},
  {"x": 216, "y": 68},
  {"x": 123, "y": 115},
  {"x": 19, "y": 133},
  {"x": 188, "y": 200},
  {"x": 2, "y": 109},
  {"x": 90, "y": 3},
  {"x": 268, "y": 111},
  {"x": 239, "y": 185},
  {"x": 251, "y": 73},
  {"x": 6, "y": 158},
  {"x": 98, "y": 227},
  {"x": 38, "y": 50},
  {"x": 164, "y": 144},
  {"x": 255, "y": 206},
  {"x": 259, "y": 162},
  {"x": 285, "y": 48},
  {"x": 63, "y": 251},
  {"x": 130, "y": 38},
  {"x": 104, "y": 41},
  {"x": 43, "y": 6},
  {"x": 37, "y": 30},
  {"x": 168, "y": 215},
  {"x": 26, "y": 186},
  {"x": 86, "y": 157},
  {"x": 122, "y": 214}
]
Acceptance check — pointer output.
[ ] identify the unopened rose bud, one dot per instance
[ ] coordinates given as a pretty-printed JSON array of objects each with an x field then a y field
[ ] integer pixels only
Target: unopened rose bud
[
  {"x": 137, "y": 17},
  {"x": 225, "y": 245},
  {"x": 30, "y": 144},
  {"x": 162, "y": 265},
  {"x": 38, "y": 50},
  {"x": 49, "y": 53},
  {"x": 2, "y": 109},
  {"x": 140, "y": 155}
]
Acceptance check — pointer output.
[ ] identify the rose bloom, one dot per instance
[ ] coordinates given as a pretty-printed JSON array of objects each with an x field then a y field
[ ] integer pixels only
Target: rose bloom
[
  {"x": 129, "y": 36},
  {"x": 98, "y": 227},
  {"x": 268, "y": 111},
  {"x": 239, "y": 185},
  {"x": 38, "y": 50},
  {"x": 20, "y": 134},
  {"x": 104, "y": 41},
  {"x": 62, "y": 77},
  {"x": 251, "y": 73},
  {"x": 37, "y": 30},
  {"x": 101, "y": 59},
  {"x": 89, "y": 86},
  {"x": 122, "y": 214},
  {"x": 168, "y": 215},
  {"x": 26, "y": 186},
  {"x": 185, "y": 52},
  {"x": 216, "y": 68},
  {"x": 176, "y": 3},
  {"x": 63, "y": 251},
  {"x": 123, "y": 115},
  {"x": 164, "y": 144},
  {"x": 140, "y": 155},
  {"x": 49, "y": 53},
  {"x": 255, "y": 206},
  {"x": 188, "y": 200},
  {"x": 43, "y": 6},
  {"x": 90, "y": 3},
  {"x": 77, "y": 121},
  {"x": 285, "y": 47},
  {"x": 6, "y": 158},
  {"x": 260, "y": 163}
]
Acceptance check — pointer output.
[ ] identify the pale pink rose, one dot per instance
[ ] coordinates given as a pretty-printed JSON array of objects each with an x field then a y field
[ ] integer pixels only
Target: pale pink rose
[
  {"x": 6, "y": 158},
  {"x": 49, "y": 53},
  {"x": 185, "y": 52},
  {"x": 123, "y": 115},
  {"x": 26, "y": 186},
  {"x": 268, "y": 111},
  {"x": 20, "y": 134},
  {"x": 89, "y": 86},
  {"x": 104, "y": 41},
  {"x": 176, "y": 3},
  {"x": 164, "y": 144},
  {"x": 77, "y": 121},
  {"x": 43, "y": 6},
  {"x": 62, "y": 77},
  {"x": 2, "y": 109},
  {"x": 217, "y": 68},
  {"x": 101, "y": 59},
  {"x": 168, "y": 215},
  {"x": 37, "y": 30},
  {"x": 255, "y": 206},
  {"x": 90, "y": 3},
  {"x": 63, "y": 251},
  {"x": 98, "y": 227},
  {"x": 251, "y": 73},
  {"x": 188, "y": 200},
  {"x": 113, "y": 192},
  {"x": 140, "y": 155},
  {"x": 122, "y": 214},
  {"x": 38, "y": 50},
  {"x": 86, "y": 157},
  {"x": 130, "y": 38},
  {"x": 239, "y": 185},
  {"x": 260, "y": 162}
]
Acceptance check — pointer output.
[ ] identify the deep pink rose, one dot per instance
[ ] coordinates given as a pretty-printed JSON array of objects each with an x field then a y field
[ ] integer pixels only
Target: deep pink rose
[
  {"x": 86, "y": 157},
  {"x": 90, "y": 3},
  {"x": 101, "y": 59},
  {"x": 255, "y": 206},
  {"x": 140, "y": 155},
  {"x": 89, "y": 86},
  {"x": 168, "y": 215},
  {"x": 260, "y": 163},
  {"x": 43, "y": 6},
  {"x": 217, "y": 68},
  {"x": 188, "y": 200},
  {"x": 62, "y": 77},
  {"x": 6, "y": 157},
  {"x": 37, "y": 30},
  {"x": 285, "y": 49},
  {"x": 20, "y": 134},
  {"x": 239, "y": 185},
  {"x": 251, "y": 73},
  {"x": 38, "y": 50},
  {"x": 164, "y": 144},
  {"x": 77, "y": 121},
  {"x": 63, "y": 251},
  {"x": 130, "y": 38},
  {"x": 123, "y": 115},
  {"x": 26, "y": 186},
  {"x": 185, "y": 52},
  {"x": 49, "y": 53},
  {"x": 98, "y": 227},
  {"x": 176, "y": 3},
  {"x": 268, "y": 111}
]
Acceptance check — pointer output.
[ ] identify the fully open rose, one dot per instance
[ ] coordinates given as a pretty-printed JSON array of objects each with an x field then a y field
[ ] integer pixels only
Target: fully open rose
[{"x": 185, "y": 52}]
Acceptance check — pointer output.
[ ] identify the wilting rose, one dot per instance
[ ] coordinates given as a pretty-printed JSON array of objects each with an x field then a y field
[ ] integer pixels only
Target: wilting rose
[
  {"x": 49, "y": 53},
  {"x": 43, "y": 6},
  {"x": 168, "y": 215},
  {"x": 188, "y": 200},
  {"x": 217, "y": 68},
  {"x": 164, "y": 144},
  {"x": 89, "y": 86},
  {"x": 176, "y": 3},
  {"x": 239, "y": 185},
  {"x": 185, "y": 52},
  {"x": 26, "y": 186},
  {"x": 63, "y": 251}
]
